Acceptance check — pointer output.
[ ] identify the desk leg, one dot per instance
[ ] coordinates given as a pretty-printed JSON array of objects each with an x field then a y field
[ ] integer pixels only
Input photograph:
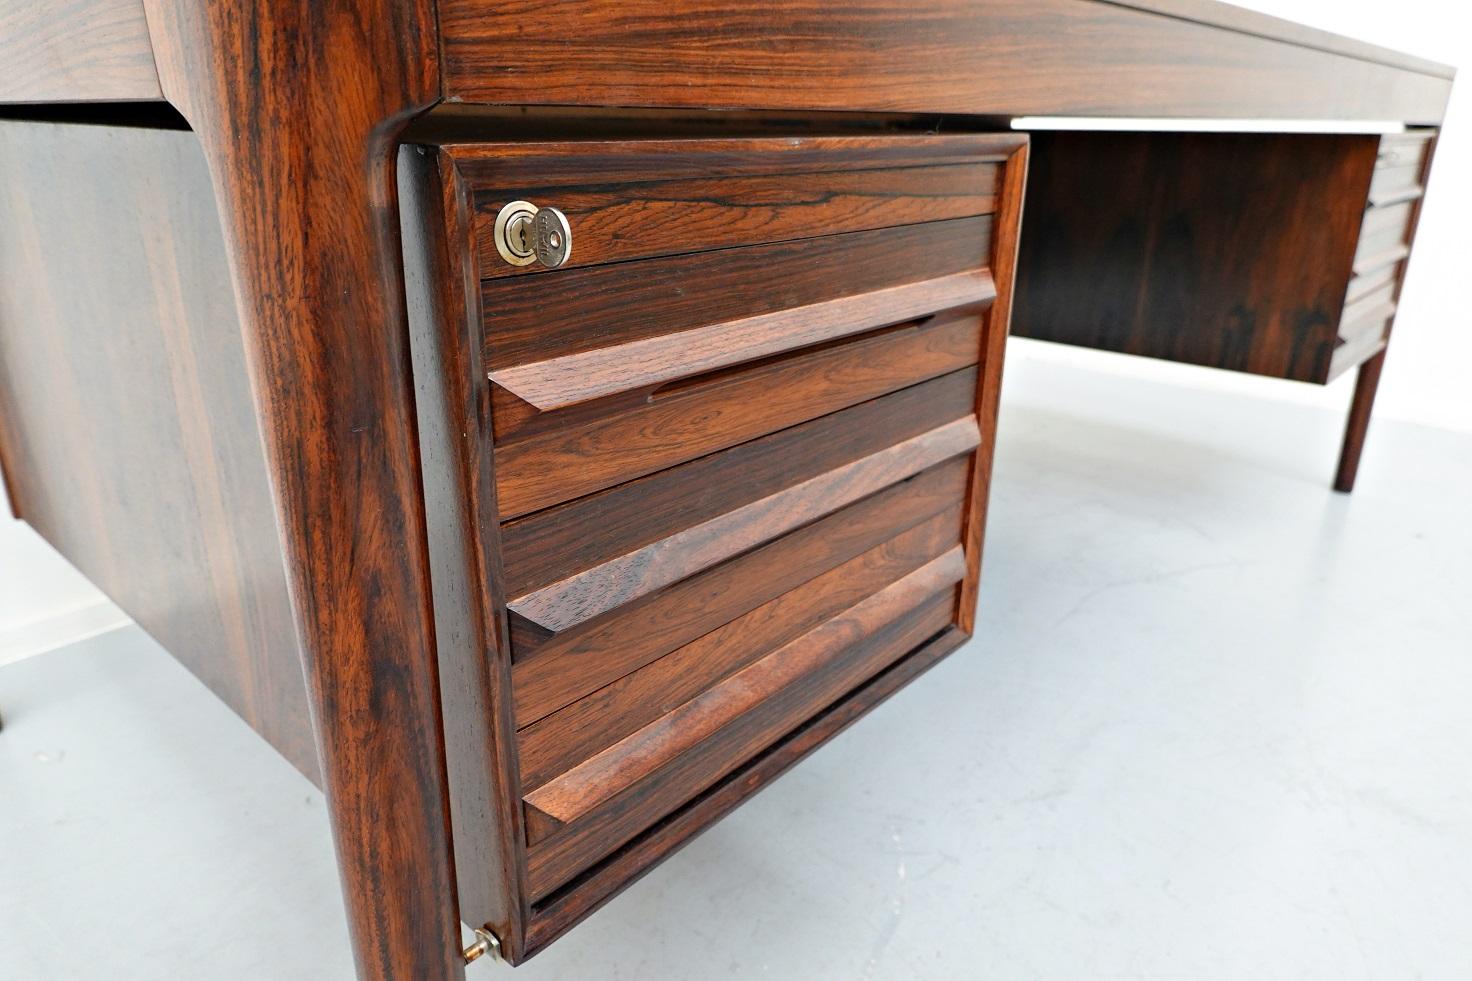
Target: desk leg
[
  {"x": 298, "y": 107},
  {"x": 1359, "y": 423}
]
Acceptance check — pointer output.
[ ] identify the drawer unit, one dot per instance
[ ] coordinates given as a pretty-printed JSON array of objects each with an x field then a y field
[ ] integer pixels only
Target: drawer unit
[
  {"x": 721, "y": 476},
  {"x": 1391, "y": 210}
]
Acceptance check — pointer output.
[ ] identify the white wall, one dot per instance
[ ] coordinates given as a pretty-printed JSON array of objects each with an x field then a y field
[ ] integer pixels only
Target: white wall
[
  {"x": 1425, "y": 378},
  {"x": 44, "y": 602}
]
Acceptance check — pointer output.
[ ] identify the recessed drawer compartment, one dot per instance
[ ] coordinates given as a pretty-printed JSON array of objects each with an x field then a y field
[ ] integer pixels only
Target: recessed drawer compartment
[{"x": 716, "y": 480}]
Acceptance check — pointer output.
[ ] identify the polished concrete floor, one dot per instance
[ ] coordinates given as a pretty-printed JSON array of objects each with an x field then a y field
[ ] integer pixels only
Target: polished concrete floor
[{"x": 1217, "y": 724}]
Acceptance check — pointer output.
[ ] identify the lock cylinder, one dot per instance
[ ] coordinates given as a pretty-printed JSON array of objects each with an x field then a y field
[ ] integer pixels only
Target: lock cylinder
[{"x": 526, "y": 234}]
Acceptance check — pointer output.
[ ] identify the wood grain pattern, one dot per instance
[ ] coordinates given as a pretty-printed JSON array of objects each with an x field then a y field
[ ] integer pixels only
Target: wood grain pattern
[
  {"x": 647, "y": 158},
  {"x": 984, "y": 57},
  {"x": 1227, "y": 250},
  {"x": 574, "y": 664},
  {"x": 559, "y": 742},
  {"x": 619, "y": 222},
  {"x": 558, "y": 912},
  {"x": 837, "y": 657},
  {"x": 148, "y": 475},
  {"x": 307, "y": 194},
  {"x": 600, "y": 306},
  {"x": 621, "y": 579},
  {"x": 572, "y": 378},
  {"x": 574, "y": 795},
  {"x": 559, "y": 542},
  {"x": 76, "y": 51},
  {"x": 580, "y": 458}
]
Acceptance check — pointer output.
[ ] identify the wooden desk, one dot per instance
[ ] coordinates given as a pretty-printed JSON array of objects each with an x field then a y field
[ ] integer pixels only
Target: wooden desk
[{"x": 539, "y": 571}]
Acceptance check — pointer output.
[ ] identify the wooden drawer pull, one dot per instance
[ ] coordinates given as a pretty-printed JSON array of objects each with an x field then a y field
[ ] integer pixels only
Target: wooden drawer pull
[
  {"x": 560, "y": 382},
  {"x": 573, "y": 600},
  {"x": 589, "y": 784}
]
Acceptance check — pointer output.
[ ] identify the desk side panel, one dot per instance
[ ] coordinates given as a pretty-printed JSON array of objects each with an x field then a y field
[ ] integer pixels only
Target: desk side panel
[
  {"x": 983, "y": 57},
  {"x": 126, "y": 421}
]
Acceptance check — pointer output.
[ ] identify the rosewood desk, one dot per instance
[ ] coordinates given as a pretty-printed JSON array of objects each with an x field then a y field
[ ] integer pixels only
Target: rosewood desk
[{"x": 547, "y": 422}]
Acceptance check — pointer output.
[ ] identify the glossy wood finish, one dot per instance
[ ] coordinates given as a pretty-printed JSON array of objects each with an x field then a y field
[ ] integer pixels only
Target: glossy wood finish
[
  {"x": 76, "y": 51},
  {"x": 384, "y": 445},
  {"x": 559, "y": 542},
  {"x": 578, "y": 663},
  {"x": 572, "y": 378},
  {"x": 676, "y": 295},
  {"x": 1228, "y": 250},
  {"x": 751, "y": 470},
  {"x": 626, "y": 577},
  {"x": 985, "y": 57},
  {"x": 564, "y": 909},
  {"x": 579, "y": 458},
  {"x": 573, "y": 794},
  {"x": 117, "y": 346},
  {"x": 873, "y": 643},
  {"x": 619, "y": 222},
  {"x": 556, "y": 743},
  {"x": 594, "y": 808},
  {"x": 472, "y": 646},
  {"x": 308, "y": 201}
]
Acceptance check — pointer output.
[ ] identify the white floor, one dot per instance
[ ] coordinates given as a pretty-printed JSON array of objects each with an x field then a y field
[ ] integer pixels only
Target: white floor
[{"x": 1217, "y": 724}]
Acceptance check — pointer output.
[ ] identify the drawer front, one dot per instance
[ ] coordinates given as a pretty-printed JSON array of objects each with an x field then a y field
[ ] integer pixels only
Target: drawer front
[
  {"x": 589, "y": 448},
  {"x": 637, "y": 199},
  {"x": 732, "y": 290},
  {"x": 737, "y": 452}
]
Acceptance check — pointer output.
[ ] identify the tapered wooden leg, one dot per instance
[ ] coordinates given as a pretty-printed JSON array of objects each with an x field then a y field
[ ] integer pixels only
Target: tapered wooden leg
[
  {"x": 1359, "y": 423},
  {"x": 298, "y": 106}
]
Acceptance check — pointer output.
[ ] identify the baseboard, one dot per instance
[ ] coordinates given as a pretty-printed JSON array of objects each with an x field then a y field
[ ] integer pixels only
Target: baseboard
[{"x": 60, "y": 629}]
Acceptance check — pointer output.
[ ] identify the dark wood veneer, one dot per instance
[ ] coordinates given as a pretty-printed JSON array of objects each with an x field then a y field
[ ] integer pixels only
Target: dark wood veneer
[
  {"x": 985, "y": 57},
  {"x": 1227, "y": 250},
  {"x": 309, "y": 207},
  {"x": 117, "y": 345}
]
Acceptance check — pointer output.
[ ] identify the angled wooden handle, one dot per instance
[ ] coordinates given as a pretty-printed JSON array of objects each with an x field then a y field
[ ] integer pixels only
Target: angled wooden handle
[
  {"x": 571, "y": 601},
  {"x": 573, "y": 378},
  {"x": 576, "y": 793}
]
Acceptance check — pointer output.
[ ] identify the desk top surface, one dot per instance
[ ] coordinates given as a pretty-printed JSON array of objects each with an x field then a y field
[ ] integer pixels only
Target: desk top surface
[{"x": 1005, "y": 58}]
